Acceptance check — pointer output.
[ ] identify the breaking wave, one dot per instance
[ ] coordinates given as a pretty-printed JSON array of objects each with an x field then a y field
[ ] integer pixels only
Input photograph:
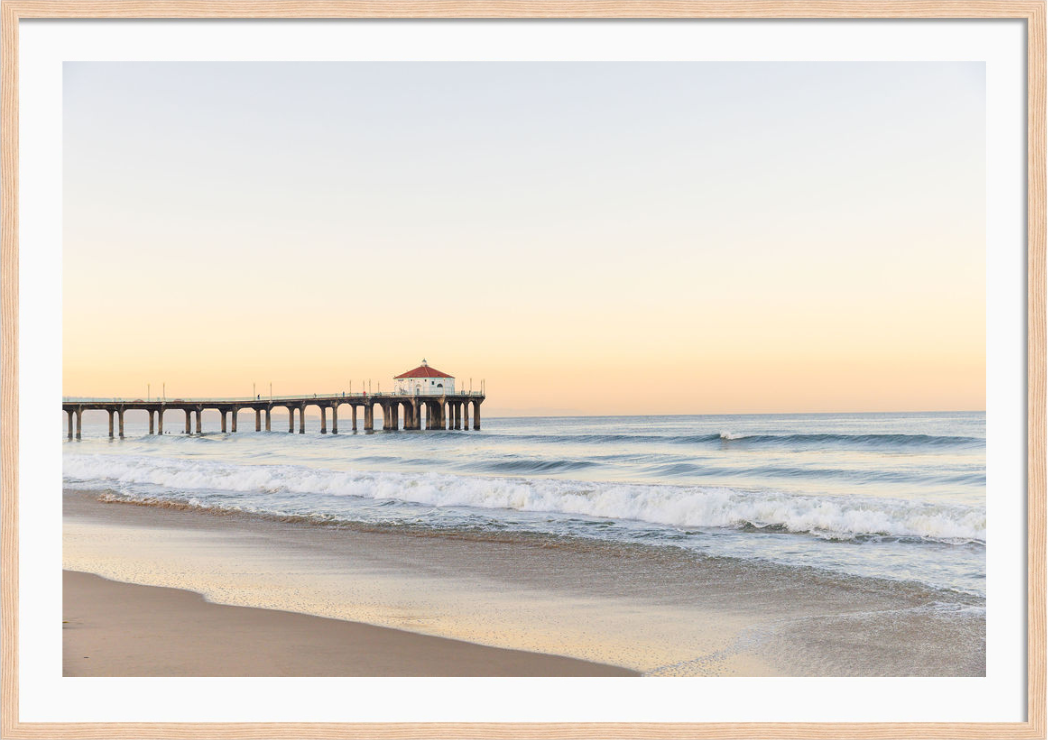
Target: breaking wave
[{"x": 322, "y": 493}]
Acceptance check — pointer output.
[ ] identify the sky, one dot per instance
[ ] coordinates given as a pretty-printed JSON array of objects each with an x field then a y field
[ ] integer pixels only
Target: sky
[{"x": 588, "y": 238}]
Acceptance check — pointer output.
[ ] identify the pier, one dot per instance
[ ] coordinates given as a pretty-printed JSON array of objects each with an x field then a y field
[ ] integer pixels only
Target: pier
[{"x": 399, "y": 411}]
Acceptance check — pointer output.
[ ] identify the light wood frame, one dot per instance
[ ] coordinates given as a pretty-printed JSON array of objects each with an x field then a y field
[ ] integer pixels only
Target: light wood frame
[{"x": 1032, "y": 11}]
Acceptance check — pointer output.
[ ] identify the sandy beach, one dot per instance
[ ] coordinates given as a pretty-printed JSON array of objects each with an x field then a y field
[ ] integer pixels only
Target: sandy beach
[
  {"x": 338, "y": 600},
  {"x": 119, "y": 629}
]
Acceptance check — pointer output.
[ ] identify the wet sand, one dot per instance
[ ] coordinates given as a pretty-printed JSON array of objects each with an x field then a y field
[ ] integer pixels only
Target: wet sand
[
  {"x": 657, "y": 611},
  {"x": 120, "y": 629}
]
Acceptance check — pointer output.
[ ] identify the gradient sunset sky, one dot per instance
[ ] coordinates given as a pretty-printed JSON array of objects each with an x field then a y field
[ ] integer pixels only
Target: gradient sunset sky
[{"x": 590, "y": 238}]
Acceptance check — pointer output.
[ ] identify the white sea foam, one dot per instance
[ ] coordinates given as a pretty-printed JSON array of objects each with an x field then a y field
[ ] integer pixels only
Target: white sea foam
[{"x": 683, "y": 507}]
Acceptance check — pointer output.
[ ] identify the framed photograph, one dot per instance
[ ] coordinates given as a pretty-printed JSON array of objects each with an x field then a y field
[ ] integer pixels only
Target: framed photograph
[{"x": 523, "y": 369}]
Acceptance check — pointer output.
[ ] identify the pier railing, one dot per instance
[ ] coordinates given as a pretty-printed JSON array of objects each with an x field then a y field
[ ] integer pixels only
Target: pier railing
[{"x": 265, "y": 397}]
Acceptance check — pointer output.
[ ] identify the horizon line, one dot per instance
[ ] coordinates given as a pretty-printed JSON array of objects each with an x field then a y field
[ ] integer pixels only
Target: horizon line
[{"x": 496, "y": 415}]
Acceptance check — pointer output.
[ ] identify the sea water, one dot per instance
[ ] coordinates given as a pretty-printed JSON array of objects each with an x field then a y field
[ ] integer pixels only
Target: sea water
[{"x": 892, "y": 496}]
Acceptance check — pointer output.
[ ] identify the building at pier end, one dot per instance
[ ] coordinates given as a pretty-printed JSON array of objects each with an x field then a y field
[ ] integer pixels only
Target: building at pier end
[{"x": 424, "y": 381}]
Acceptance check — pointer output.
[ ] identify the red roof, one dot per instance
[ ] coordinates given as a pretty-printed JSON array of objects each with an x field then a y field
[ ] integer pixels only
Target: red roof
[{"x": 423, "y": 371}]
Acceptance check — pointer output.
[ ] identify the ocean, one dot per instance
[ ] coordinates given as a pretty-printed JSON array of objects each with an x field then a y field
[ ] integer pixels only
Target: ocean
[{"x": 891, "y": 496}]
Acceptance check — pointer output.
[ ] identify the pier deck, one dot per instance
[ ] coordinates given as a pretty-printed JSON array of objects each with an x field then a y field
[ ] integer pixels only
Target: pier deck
[{"x": 451, "y": 411}]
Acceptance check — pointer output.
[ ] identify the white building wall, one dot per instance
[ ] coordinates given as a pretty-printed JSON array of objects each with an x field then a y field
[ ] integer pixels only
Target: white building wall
[{"x": 424, "y": 386}]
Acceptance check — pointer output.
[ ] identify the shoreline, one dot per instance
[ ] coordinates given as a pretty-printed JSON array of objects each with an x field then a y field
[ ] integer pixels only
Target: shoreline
[
  {"x": 653, "y": 611},
  {"x": 120, "y": 629}
]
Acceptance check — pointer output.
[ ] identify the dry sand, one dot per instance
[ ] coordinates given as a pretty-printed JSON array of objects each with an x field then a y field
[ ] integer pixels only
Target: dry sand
[{"x": 120, "y": 629}]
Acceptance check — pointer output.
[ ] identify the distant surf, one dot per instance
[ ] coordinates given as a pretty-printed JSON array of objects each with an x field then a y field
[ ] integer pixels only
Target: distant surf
[{"x": 907, "y": 441}]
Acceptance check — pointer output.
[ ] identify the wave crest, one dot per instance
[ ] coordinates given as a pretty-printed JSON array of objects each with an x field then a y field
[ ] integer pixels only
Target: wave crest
[{"x": 681, "y": 507}]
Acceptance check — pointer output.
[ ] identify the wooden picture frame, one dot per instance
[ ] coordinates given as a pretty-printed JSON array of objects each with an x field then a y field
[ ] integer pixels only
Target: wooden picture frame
[{"x": 1033, "y": 12}]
